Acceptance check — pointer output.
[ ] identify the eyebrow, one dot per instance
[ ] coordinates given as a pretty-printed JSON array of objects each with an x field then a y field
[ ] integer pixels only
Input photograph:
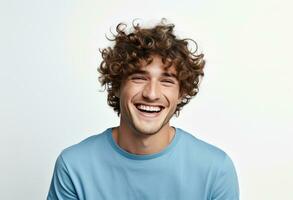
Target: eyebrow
[
  {"x": 166, "y": 74},
  {"x": 138, "y": 71},
  {"x": 169, "y": 74}
]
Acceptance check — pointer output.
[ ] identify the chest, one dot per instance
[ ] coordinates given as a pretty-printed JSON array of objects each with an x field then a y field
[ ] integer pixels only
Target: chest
[{"x": 143, "y": 181}]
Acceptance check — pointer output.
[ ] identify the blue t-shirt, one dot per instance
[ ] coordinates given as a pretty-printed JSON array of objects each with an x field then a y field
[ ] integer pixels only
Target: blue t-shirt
[{"x": 187, "y": 169}]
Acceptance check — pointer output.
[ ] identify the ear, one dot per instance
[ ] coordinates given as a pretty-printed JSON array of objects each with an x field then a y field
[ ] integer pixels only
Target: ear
[
  {"x": 117, "y": 93},
  {"x": 180, "y": 99}
]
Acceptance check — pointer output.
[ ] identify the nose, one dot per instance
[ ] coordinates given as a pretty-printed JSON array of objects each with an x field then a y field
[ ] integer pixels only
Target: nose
[{"x": 151, "y": 91}]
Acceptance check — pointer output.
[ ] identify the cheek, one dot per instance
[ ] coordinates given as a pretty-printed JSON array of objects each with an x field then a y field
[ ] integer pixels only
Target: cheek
[
  {"x": 173, "y": 95},
  {"x": 129, "y": 92},
  {"x": 134, "y": 88}
]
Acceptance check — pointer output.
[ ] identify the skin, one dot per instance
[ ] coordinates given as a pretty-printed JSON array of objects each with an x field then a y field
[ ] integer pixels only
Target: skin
[{"x": 153, "y": 85}]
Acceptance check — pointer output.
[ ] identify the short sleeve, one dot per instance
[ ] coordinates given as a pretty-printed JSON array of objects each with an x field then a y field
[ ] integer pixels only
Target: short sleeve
[
  {"x": 61, "y": 187},
  {"x": 226, "y": 185}
]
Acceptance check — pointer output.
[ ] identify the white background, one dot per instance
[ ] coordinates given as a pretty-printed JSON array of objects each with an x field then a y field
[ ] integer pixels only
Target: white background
[{"x": 51, "y": 99}]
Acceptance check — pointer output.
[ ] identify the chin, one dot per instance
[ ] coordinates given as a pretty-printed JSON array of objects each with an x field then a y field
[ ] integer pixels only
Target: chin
[{"x": 148, "y": 129}]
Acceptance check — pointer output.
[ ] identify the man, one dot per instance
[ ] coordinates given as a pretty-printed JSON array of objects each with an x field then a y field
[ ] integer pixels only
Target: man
[{"x": 150, "y": 75}]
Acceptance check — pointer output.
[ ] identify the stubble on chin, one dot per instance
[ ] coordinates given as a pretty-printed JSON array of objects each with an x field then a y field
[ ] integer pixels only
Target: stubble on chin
[{"x": 148, "y": 129}]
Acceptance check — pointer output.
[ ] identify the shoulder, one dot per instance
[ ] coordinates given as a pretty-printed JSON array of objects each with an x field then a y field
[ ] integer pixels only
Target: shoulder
[
  {"x": 73, "y": 163},
  {"x": 88, "y": 147},
  {"x": 200, "y": 149},
  {"x": 209, "y": 159}
]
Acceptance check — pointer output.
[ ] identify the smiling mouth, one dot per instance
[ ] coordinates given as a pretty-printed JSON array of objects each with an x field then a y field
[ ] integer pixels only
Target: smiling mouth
[{"x": 149, "y": 108}]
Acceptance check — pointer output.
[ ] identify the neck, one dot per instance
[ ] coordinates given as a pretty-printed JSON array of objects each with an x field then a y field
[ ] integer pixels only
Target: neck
[{"x": 140, "y": 144}]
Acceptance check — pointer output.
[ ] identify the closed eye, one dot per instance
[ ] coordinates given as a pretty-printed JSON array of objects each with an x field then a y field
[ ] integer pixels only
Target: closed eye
[
  {"x": 168, "y": 81},
  {"x": 138, "y": 79}
]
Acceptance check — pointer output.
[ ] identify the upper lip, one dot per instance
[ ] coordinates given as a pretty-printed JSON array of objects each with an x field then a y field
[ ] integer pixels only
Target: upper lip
[{"x": 147, "y": 104}]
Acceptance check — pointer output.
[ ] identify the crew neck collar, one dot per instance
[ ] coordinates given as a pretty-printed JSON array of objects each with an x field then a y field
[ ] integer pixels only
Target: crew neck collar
[{"x": 126, "y": 154}]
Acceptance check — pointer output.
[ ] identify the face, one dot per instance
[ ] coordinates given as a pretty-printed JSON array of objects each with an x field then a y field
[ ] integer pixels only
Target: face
[{"x": 149, "y": 97}]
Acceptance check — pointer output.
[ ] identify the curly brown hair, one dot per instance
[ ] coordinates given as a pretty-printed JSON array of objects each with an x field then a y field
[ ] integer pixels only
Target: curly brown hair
[{"x": 130, "y": 48}]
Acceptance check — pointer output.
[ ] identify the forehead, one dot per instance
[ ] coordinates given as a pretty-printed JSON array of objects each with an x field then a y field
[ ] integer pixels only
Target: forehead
[{"x": 156, "y": 66}]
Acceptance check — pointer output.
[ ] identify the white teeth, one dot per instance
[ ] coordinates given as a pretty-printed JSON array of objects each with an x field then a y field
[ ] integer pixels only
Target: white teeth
[{"x": 149, "y": 108}]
